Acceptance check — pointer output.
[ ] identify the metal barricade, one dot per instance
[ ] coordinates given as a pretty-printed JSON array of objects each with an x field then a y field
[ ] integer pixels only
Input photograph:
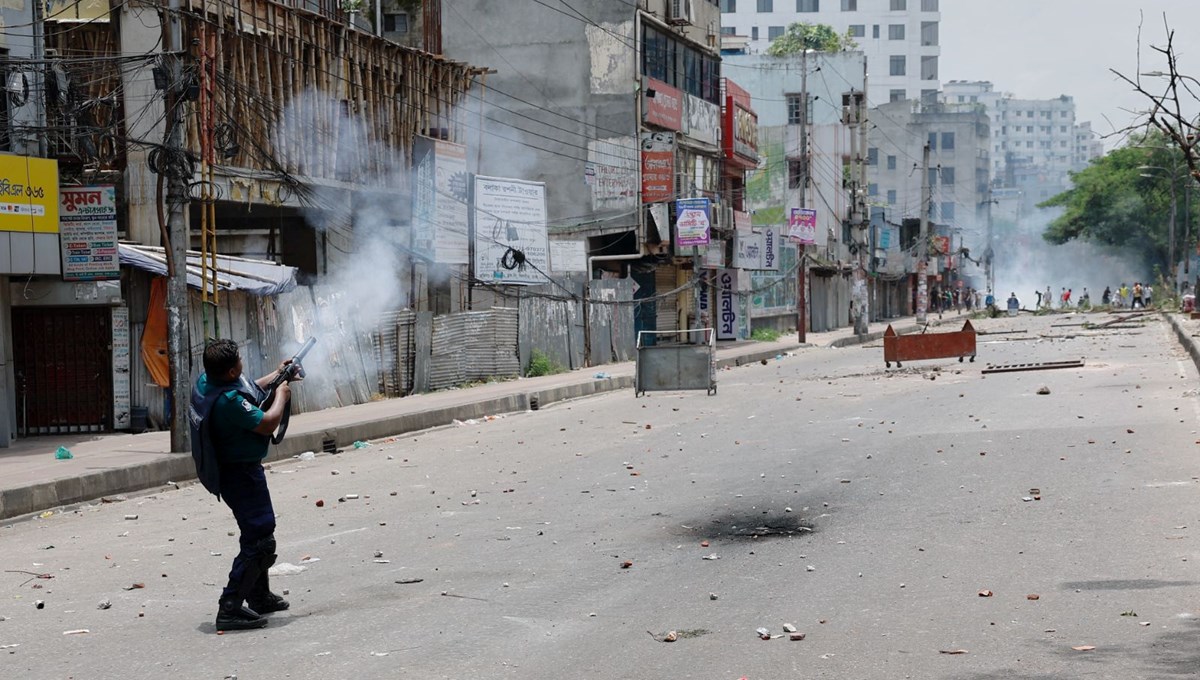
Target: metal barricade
[{"x": 676, "y": 365}]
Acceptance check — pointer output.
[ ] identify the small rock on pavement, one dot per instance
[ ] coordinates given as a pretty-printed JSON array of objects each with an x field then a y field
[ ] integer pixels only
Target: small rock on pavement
[
  {"x": 763, "y": 633},
  {"x": 1043, "y": 390},
  {"x": 131, "y": 516},
  {"x": 796, "y": 637},
  {"x": 985, "y": 593},
  {"x": 671, "y": 637},
  {"x": 626, "y": 564},
  {"x": 104, "y": 604},
  {"x": 789, "y": 628},
  {"x": 712, "y": 596},
  {"x": 1033, "y": 596}
]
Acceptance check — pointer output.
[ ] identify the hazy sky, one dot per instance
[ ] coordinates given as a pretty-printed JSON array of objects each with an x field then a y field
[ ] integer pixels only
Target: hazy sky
[{"x": 1039, "y": 49}]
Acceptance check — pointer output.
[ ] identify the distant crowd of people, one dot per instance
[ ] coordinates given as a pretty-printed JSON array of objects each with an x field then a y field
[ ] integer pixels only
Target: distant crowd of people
[{"x": 1138, "y": 296}]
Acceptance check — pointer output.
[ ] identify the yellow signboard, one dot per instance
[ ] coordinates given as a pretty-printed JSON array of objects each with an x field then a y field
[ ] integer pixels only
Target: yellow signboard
[{"x": 28, "y": 194}]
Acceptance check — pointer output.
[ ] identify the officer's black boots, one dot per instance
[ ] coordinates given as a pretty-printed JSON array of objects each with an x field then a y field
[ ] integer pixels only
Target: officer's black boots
[
  {"x": 262, "y": 600},
  {"x": 231, "y": 615}
]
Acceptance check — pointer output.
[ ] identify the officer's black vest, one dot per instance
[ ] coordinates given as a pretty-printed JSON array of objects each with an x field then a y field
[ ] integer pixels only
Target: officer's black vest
[{"x": 204, "y": 454}]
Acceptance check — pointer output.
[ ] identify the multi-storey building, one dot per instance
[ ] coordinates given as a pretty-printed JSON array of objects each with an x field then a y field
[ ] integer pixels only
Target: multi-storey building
[
  {"x": 619, "y": 109},
  {"x": 808, "y": 150},
  {"x": 1035, "y": 143},
  {"x": 898, "y": 37},
  {"x": 958, "y": 190}
]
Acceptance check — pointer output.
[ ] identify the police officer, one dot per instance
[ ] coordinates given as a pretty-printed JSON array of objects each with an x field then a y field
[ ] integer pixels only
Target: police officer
[{"x": 231, "y": 432}]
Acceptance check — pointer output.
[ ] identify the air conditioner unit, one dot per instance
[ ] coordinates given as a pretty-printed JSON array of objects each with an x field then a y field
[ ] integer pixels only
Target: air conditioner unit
[{"x": 681, "y": 13}]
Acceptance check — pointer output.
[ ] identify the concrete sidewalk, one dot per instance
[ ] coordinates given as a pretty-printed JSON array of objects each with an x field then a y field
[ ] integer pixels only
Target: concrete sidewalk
[{"x": 32, "y": 480}]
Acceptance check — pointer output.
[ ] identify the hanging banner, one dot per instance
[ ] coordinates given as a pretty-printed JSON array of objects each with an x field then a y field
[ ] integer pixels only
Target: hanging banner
[
  {"x": 662, "y": 105},
  {"x": 87, "y": 219},
  {"x": 120, "y": 368},
  {"x": 727, "y": 304},
  {"x": 658, "y": 166},
  {"x": 568, "y": 256},
  {"x": 510, "y": 216},
  {"x": 770, "y": 249},
  {"x": 802, "y": 226},
  {"x": 692, "y": 221}
]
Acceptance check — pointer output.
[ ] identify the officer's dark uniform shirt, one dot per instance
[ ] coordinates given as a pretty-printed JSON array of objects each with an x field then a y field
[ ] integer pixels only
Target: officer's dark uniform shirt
[{"x": 233, "y": 420}]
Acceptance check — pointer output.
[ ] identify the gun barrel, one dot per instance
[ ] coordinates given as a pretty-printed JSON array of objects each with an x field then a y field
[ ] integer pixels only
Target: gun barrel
[{"x": 304, "y": 350}]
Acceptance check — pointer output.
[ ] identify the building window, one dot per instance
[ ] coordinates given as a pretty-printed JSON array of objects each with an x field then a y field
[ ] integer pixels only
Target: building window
[
  {"x": 929, "y": 68},
  {"x": 929, "y": 33},
  {"x": 808, "y": 5},
  {"x": 1029, "y": 129},
  {"x": 891, "y": 162},
  {"x": 873, "y": 156},
  {"x": 858, "y": 30},
  {"x": 849, "y": 5},
  {"x": 1028, "y": 145},
  {"x": 929, "y": 5},
  {"x": 947, "y": 140},
  {"x": 948, "y": 212},
  {"x": 891, "y": 195},
  {"x": 898, "y": 65},
  {"x": 1029, "y": 113},
  {"x": 1062, "y": 128},
  {"x": 1062, "y": 114},
  {"x": 872, "y": 189},
  {"x": 795, "y": 116},
  {"x": 875, "y": 31},
  {"x": 895, "y": 31},
  {"x": 395, "y": 23},
  {"x": 899, "y": 5},
  {"x": 766, "y": 5},
  {"x": 728, "y": 30},
  {"x": 754, "y": 33},
  {"x": 774, "y": 32},
  {"x": 729, "y": 6},
  {"x": 933, "y": 141},
  {"x": 948, "y": 176},
  {"x": 896, "y": 96}
]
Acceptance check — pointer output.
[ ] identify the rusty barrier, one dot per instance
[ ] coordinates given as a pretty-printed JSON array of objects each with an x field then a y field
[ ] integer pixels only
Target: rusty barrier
[{"x": 919, "y": 346}]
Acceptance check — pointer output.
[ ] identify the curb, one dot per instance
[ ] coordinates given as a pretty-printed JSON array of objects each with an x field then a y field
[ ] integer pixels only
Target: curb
[
  {"x": 1185, "y": 339},
  {"x": 178, "y": 467}
]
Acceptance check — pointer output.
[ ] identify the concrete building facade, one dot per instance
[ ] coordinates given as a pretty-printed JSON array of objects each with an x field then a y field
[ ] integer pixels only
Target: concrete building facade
[
  {"x": 1035, "y": 143},
  {"x": 958, "y": 184},
  {"x": 900, "y": 38},
  {"x": 619, "y": 114}
]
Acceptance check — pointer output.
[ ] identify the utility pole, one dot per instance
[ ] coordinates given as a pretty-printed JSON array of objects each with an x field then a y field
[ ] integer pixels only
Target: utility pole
[
  {"x": 178, "y": 326},
  {"x": 856, "y": 111},
  {"x": 923, "y": 241},
  {"x": 802, "y": 264}
]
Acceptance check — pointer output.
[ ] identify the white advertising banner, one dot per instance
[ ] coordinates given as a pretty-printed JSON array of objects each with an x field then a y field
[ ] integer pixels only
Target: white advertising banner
[
  {"x": 88, "y": 233},
  {"x": 568, "y": 256},
  {"x": 120, "y": 368},
  {"x": 510, "y": 218}
]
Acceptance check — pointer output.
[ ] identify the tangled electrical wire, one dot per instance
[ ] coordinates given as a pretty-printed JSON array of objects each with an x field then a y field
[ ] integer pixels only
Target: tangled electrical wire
[
  {"x": 513, "y": 259},
  {"x": 171, "y": 163}
]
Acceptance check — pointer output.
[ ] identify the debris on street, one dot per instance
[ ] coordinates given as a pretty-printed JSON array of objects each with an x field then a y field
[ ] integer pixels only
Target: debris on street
[{"x": 63, "y": 453}]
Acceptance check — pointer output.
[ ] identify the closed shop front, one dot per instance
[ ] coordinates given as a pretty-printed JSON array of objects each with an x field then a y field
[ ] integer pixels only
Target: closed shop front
[{"x": 62, "y": 359}]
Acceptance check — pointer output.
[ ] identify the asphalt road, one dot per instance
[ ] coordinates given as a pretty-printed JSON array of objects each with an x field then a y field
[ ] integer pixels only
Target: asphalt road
[{"x": 867, "y": 507}]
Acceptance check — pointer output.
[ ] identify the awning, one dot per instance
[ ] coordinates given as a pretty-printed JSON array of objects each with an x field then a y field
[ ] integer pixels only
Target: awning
[{"x": 256, "y": 277}]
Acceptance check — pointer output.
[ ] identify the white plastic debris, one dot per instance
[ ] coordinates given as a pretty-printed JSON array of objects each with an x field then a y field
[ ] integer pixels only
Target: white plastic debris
[
  {"x": 286, "y": 569},
  {"x": 308, "y": 455}
]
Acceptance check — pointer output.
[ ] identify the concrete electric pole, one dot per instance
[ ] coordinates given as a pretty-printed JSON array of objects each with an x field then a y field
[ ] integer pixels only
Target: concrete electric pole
[
  {"x": 178, "y": 326},
  {"x": 923, "y": 241},
  {"x": 801, "y": 264}
]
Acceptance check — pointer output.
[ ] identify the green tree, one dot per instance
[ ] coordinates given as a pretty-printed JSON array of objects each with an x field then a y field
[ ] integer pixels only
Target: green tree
[
  {"x": 803, "y": 35},
  {"x": 1124, "y": 199}
]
